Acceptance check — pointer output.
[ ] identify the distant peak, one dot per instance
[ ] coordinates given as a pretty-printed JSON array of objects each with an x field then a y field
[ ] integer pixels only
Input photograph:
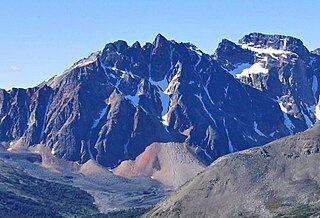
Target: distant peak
[
  {"x": 225, "y": 42},
  {"x": 316, "y": 51},
  {"x": 278, "y": 42},
  {"x": 119, "y": 46},
  {"x": 261, "y": 38},
  {"x": 136, "y": 45},
  {"x": 160, "y": 36},
  {"x": 160, "y": 39}
]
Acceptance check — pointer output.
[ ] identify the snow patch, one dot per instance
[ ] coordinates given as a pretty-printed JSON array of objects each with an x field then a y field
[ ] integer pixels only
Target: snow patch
[
  {"x": 318, "y": 110},
  {"x": 86, "y": 61},
  {"x": 206, "y": 90},
  {"x": 240, "y": 68},
  {"x": 205, "y": 108},
  {"x": 314, "y": 87},
  {"x": 270, "y": 51},
  {"x": 165, "y": 120},
  {"x": 307, "y": 119},
  {"x": 257, "y": 130},
  {"x": 89, "y": 149},
  {"x": 287, "y": 122},
  {"x": 53, "y": 151},
  {"x": 2, "y": 119},
  {"x": 164, "y": 98},
  {"x": 101, "y": 115},
  {"x": 256, "y": 68},
  {"x": 125, "y": 147},
  {"x": 205, "y": 152},
  {"x": 272, "y": 134},
  {"x": 172, "y": 84},
  {"x": 165, "y": 89},
  {"x": 134, "y": 99},
  {"x": 45, "y": 116},
  {"x": 226, "y": 91},
  {"x": 231, "y": 148},
  {"x": 198, "y": 52}
]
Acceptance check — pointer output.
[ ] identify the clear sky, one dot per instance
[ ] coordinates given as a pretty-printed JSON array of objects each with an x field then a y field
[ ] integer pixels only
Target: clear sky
[{"x": 41, "y": 38}]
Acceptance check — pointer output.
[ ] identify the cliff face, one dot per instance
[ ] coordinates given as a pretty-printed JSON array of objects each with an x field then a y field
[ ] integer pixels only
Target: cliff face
[
  {"x": 110, "y": 106},
  {"x": 280, "y": 66}
]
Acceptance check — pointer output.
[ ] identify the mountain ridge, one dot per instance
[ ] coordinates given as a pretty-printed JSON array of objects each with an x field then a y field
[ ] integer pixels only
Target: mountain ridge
[{"x": 112, "y": 105}]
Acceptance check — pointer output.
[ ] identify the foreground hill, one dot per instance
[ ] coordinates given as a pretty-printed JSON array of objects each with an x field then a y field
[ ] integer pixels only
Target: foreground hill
[
  {"x": 279, "y": 179},
  {"x": 39, "y": 177},
  {"x": 22, "y": 195}
]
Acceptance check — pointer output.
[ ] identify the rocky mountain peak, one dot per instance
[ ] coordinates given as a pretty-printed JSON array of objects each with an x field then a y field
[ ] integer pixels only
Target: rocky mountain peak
[
  {"x": 316, "y": 51},
  {"x": 117, "y": 46},
  {"x": 136, "y": 45},
  {"x": 112, "y": 105},
  {"x": 280, "y": 42},
  {"x": 160, "y": 40},
  {"x": 229, "y": 52},
  {"x": 277, "y": 42},
  {"x": 280, "y": 66}
]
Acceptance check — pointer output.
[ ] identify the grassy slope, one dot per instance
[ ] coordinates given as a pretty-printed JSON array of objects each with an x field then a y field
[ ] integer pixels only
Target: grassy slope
[
  {"x": 24, "y": 196},
  {"x": 280, "y": 179}
]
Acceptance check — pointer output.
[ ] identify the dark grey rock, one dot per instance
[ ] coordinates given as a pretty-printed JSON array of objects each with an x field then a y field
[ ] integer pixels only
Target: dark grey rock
[{"x": 113, "y": 104}]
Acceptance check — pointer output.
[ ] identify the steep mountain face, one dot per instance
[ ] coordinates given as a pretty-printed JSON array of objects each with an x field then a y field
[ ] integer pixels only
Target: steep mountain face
[
  {"x": 280, "y": 66},
  {"x": 110, "y": 106},
  {"x": 280, "y": 179}
]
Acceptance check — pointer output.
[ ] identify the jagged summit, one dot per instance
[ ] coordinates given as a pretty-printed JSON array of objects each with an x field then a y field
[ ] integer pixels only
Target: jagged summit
[
  {"x": 280, "y": 66},
  {"x": 276, "y": 42},
  {"x": 112, "y": 105},
  {"x": 281, "y": 42},
  {"x": 159, "y": 39},
  {"x": 316, "y": 51}
]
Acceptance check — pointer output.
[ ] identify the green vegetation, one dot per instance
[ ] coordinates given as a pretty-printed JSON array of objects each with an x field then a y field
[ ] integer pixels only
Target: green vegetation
[
  {"x": 309, "y": 210},
  {"x": 22, "y": 196},
  {"x": 128, "y": 213}
]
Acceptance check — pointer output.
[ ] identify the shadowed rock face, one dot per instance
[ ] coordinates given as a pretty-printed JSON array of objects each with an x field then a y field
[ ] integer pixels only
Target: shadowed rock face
[
  {"x": 110, "y": 106},
  {"x": 280, "y": 66},
  {"x": 316, "y": 51},
  {"x": 280, "y": 178}
]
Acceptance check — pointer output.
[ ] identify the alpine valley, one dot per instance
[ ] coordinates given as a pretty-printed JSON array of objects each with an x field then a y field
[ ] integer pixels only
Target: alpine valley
[{"x": 129, "y": 124}]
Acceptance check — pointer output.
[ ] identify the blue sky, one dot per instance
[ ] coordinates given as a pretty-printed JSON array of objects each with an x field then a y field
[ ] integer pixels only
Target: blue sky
[{"x": 40, "y": 39}]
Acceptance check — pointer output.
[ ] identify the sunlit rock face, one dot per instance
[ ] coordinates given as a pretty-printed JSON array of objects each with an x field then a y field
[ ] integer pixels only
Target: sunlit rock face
[{"x": 112, "y": 105}]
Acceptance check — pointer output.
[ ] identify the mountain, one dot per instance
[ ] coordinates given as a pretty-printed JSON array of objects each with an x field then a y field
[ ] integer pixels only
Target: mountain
[
  {"x": 279, "y": 179},
  {"x": 111, "y": 106},
  {"x": 280, "y": 66}
]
